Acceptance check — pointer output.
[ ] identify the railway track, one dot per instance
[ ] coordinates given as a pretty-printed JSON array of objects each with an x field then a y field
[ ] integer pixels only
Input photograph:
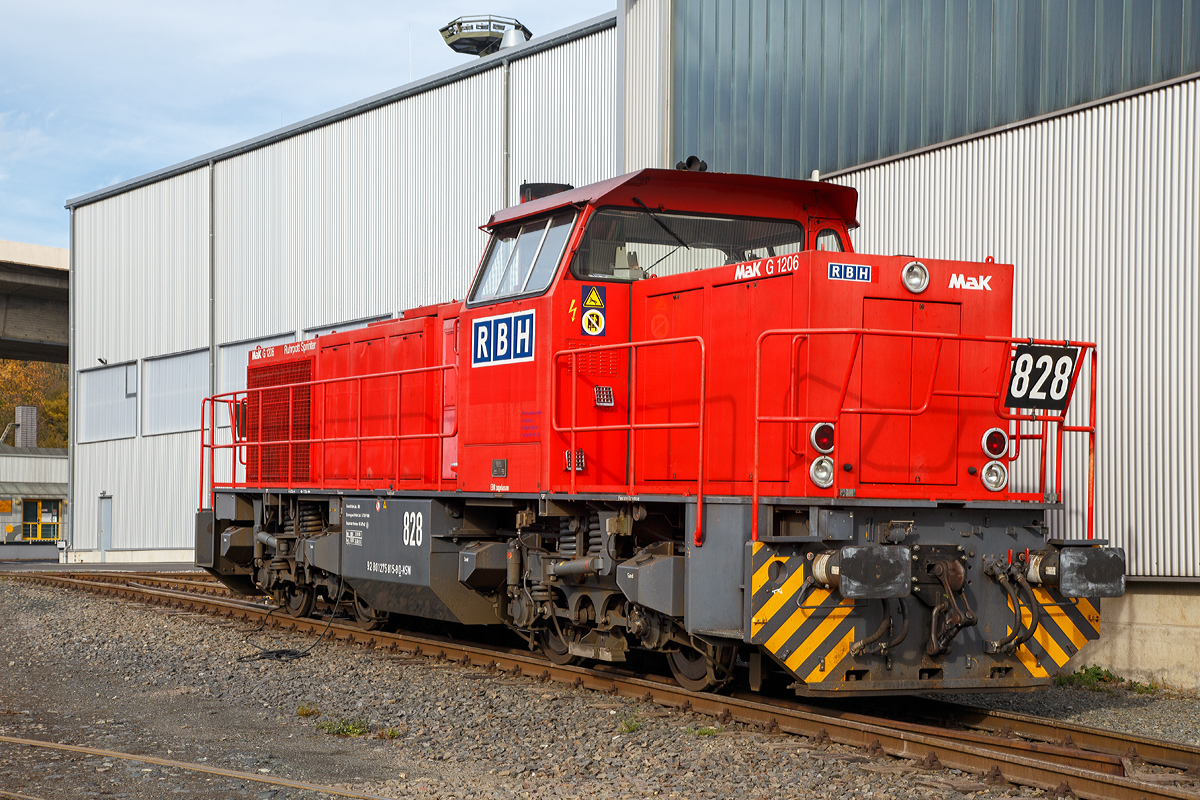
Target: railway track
[{"x": 997, "y": 747}]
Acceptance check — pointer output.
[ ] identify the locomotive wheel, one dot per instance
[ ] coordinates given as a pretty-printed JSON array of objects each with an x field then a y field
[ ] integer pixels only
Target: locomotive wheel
[
  {"x": 366, "y": 617},
  {"x": 555, "y": 649},
  {"x": 691, "y": 670},
  {"x": 298, "y": 601}
]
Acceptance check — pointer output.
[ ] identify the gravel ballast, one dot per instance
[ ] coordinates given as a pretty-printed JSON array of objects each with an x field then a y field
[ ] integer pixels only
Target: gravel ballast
[{"x": 117, "y": 675}]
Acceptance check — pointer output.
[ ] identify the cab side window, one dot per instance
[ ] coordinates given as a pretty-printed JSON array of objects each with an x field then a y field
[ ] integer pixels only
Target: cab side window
[
  {"x": 828, "y": 239},
  {"x": 521, "y": 259}
]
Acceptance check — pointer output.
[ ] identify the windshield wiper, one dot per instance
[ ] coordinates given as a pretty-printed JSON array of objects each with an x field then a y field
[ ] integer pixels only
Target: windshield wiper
[{"x": 662, "y": 225}]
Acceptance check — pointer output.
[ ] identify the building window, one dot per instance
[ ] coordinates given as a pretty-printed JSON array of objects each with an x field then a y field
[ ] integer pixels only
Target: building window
[
  {"x": 40, "y": 520},
  {"x": 108, "y": 403},
  {"x": 173, "y": 389}
]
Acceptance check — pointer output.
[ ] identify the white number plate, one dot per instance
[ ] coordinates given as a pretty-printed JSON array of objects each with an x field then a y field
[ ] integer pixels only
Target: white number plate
[{"x": 1041, "y": 377}]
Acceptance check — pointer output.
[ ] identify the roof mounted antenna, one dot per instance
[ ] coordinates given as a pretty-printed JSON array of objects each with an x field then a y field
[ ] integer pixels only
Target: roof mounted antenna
[
  {"x": 692, "y": 164},
  {"x": 482, "y": 36}
]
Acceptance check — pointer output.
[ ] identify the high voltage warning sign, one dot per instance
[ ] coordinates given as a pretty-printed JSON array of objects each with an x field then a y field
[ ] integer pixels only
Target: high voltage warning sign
[{"x": 592, "y": 321}]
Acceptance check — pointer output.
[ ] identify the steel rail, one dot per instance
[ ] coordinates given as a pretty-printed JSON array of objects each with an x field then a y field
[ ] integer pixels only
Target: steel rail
[
  {"x": 166, "y": 762},
  {"x": 1124, "y": 745},
  {"x": 934, "y": 747}
]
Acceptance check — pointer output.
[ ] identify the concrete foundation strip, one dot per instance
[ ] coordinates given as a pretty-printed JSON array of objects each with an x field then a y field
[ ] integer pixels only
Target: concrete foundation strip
[
  {"x": 166, "y": 762},
  {"x": 915, "y": 742}
]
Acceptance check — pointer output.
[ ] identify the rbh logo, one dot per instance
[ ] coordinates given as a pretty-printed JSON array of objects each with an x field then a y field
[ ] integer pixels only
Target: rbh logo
[
  {"x": 850, "y": 272},
  {"x": 963, "y": 282},
  {"x": 503, "y": 339}
]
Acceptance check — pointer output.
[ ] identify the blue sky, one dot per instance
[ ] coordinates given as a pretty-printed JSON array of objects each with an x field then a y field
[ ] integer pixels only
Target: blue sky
[{"x": 92, "y": 94}]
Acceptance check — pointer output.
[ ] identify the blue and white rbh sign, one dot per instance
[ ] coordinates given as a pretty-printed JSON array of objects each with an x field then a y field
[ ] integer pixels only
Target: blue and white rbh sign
[
  {"x": 850, "y": 272},
  {"x": 503, "y": 339}
]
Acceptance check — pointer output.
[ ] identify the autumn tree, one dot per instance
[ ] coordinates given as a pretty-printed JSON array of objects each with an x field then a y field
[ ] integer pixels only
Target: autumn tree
[{"x": 35, "y": 383}]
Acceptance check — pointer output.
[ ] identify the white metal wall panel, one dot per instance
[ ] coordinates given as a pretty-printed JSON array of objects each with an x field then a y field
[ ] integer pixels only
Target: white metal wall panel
[
  {"x": 360, "y": 218},
  {"x": 154, "y": 483},
  {"x": 561, "y": 114},
  {"x": 141, "y": 269},
  {"x": 1098, "y": 209},
  {"x": 647, "y": 77},
  {"x": 106, "y": 408},
  {"x": 173, "y": 388},
  {"x": 33, "y": 469}
]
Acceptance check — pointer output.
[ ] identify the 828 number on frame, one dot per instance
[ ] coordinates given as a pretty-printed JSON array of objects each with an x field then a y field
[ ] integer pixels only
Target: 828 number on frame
[{"x": 1041, "y": 377}]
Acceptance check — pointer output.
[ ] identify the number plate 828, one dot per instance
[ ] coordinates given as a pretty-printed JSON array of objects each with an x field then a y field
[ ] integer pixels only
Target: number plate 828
[{"x": 1041, "y": 377}]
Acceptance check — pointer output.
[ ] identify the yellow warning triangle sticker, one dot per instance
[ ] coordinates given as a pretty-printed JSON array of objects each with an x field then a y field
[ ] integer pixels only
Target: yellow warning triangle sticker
[{"x": 593, "y": 299}]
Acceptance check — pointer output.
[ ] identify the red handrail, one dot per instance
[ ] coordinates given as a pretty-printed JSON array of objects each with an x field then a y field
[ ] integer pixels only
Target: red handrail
[
  {"x": 242, "y": 443},
  {"x": 633, "y": 424},
  {"x": 998, "y": 396}
]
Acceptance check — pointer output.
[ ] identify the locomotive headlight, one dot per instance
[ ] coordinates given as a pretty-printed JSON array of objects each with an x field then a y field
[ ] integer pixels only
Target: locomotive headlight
[
  {"x": 994, "y": 476},
  {"x": 915, "y": 277},
  {"x": 995, "y": 442},
  {"x": 822, "y": 437},
  {"x": 821, "y": 472}
]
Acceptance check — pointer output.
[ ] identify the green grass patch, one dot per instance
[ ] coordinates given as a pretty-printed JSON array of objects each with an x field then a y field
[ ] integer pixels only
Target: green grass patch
[
  {"x": 389, "y": 733},
  {"x": 629, "y": 723},
  {"x": 1099, "y": 679},
  {"x": 345, "y": 727},
  {"x": 705, "y": 731}
]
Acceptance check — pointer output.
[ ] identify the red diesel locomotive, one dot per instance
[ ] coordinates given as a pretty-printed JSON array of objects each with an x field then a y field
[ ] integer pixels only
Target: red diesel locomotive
[{"x": 677, "y": 412}]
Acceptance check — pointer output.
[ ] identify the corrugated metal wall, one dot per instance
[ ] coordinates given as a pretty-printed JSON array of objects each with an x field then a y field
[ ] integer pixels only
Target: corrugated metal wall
[
  {"x": 647, "y": 50},
  {"x": 561, "y": 115},
  {"x": 141, "y": 262},
  {"x": 154, "y": 484},
  {"x": 373, "y": 214},
  {"x": 360, "y": 217},
  {"x": 782, "y": 88},
  {"x": 33, "y": 469},
  {"x": 1100, "y": 212},
  {"x": 141, "y": 282}
]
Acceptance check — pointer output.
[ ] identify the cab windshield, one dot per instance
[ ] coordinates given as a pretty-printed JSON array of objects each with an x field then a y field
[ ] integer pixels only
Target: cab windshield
[
  {"x": 521, "y": 258},
  {"x": 621, "y": 244}
]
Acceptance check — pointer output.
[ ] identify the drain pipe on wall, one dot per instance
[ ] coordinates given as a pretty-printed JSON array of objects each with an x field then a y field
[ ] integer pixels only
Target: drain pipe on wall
[
  {"x": 506, "y": 97},
  {"x": 67, "y": 530}
]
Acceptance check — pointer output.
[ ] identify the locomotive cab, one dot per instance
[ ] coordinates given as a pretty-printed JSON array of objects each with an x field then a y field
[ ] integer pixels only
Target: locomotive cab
[{"x": 678, "y": 412}]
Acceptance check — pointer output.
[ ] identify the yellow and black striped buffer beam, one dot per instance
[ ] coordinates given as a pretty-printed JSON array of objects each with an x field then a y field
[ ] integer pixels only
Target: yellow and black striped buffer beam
[
  {"x": 806, "y": 628},
  {"x": 1064, "y": 627}
]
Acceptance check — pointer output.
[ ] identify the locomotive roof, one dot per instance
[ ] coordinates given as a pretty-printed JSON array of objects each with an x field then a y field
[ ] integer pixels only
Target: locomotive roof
[{"x": 842, "y": 200}]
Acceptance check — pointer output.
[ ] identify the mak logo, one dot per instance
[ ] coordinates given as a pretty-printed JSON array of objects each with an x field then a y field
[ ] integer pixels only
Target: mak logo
[
  {"x": 503, "y": 339},
  {"x": 963, "y": 282},
  {"x": 751, "y": 269}
]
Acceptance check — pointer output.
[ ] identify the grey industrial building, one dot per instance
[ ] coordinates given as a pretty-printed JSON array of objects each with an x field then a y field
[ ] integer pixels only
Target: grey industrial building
[{"x": 1061, "y": 137}]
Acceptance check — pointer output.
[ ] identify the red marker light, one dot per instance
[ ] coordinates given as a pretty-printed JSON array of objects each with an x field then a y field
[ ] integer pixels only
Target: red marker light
[
  {"x": 822, "y": 437},
  {"x": 995, "y": 443}
]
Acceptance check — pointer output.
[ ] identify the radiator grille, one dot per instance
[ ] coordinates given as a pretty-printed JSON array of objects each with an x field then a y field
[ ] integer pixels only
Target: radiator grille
[
  {"x": 601, "y": 363},
  {"x": 279, "y": 415}
]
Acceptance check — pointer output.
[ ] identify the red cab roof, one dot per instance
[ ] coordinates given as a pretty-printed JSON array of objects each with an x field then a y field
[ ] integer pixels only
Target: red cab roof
[{"x": 675, "y": 189}]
